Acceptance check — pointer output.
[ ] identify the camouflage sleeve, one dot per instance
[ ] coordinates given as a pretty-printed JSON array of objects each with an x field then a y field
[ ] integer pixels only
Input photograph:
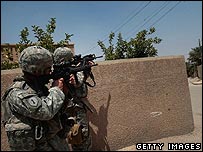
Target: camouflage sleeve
[{"x": 31, "y": 105}]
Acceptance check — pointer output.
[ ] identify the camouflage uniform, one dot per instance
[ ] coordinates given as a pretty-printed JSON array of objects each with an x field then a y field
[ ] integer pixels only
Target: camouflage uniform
[
  {"x": 78, "y": 105},
  {"x": 30, "y": 111}
]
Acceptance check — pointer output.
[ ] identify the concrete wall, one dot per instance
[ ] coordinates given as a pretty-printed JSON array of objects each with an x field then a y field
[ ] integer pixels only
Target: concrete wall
[{"x": 136, "y": 100}]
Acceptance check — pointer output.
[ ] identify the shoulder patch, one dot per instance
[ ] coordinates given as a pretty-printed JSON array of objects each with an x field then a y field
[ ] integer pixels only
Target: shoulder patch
[{"x": 33, "y": 101}]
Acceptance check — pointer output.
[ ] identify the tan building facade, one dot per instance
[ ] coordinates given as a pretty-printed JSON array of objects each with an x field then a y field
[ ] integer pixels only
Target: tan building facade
[{"x": 11, "y": 49}]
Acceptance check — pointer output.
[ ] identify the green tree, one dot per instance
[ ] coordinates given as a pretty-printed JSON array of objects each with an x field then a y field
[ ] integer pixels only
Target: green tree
[
  {"x": 121, "y": 47},
  {"x": 194, "y": 60},
  {"x": 190, "y": 69},
  {"x": 195, "y": 56},
  {"x": 8, "y": 63},
  {"x": 140, "y": 46},
  {"x": 109, "y": 52},
  {"x": 24, "y": 42},
  {"x": 44, "y": 37}
]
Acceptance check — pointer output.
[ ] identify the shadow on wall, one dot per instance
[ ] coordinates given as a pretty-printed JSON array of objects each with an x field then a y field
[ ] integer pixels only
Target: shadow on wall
[{"x": 99, "y": 120}]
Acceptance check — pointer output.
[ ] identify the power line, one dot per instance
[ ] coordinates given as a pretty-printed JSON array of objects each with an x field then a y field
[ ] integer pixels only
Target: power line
[
  {"x": 165, "y": 14},
  {"x": 160, "y": 17},
  {"x": 146, "y": 21},
  {"x": 125, "y": 22},
  {"x": 133, "y": 16}
]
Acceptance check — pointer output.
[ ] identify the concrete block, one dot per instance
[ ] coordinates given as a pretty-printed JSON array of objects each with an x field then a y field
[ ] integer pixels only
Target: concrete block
[
  {"x": 139, "y": 100},
  {"x": 135, "y": 100}
]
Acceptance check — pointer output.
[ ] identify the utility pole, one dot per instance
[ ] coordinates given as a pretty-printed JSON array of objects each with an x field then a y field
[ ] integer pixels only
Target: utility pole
[{"x": 200, "y": 66}]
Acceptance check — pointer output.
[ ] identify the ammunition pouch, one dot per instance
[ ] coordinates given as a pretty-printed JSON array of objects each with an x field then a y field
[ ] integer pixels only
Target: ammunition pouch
[{"x": 75, "y": 135}]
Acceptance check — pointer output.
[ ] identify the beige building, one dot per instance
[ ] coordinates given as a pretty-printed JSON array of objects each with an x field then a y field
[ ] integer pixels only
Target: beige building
[{"x": 11, "y": 49}]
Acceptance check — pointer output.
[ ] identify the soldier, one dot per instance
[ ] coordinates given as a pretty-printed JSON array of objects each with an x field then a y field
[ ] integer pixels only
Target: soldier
[
  {"x": 78, "y": 130},
  {"x": 31, "y": 111}
]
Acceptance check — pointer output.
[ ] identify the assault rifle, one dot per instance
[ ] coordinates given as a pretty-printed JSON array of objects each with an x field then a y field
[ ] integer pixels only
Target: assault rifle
[
  {"x": 77, "y": 59},
  {"x": 64, "y": 70}
]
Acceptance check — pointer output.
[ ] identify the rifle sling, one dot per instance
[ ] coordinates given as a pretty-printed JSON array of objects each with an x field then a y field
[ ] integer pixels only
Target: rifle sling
[{"x": 92, "y": 77}]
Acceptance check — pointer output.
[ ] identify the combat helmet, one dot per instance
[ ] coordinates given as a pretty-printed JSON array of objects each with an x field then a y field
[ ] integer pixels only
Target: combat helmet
[
  {"x": 35, "y": 60},
  {"x": 62, "y": 54}
]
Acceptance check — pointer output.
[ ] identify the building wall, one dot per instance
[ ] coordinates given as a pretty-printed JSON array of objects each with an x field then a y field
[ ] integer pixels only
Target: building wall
[
  {"x": 16, "y": 54},
  {"x": 135, "y": 100}
]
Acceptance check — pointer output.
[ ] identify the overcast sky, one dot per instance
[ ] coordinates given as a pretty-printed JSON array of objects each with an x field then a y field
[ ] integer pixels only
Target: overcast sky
[{"x": 177, "y": 23}]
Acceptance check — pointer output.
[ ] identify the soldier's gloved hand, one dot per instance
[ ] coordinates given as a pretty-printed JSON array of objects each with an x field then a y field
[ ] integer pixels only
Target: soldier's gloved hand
[{"x": 58, "y": 83}]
